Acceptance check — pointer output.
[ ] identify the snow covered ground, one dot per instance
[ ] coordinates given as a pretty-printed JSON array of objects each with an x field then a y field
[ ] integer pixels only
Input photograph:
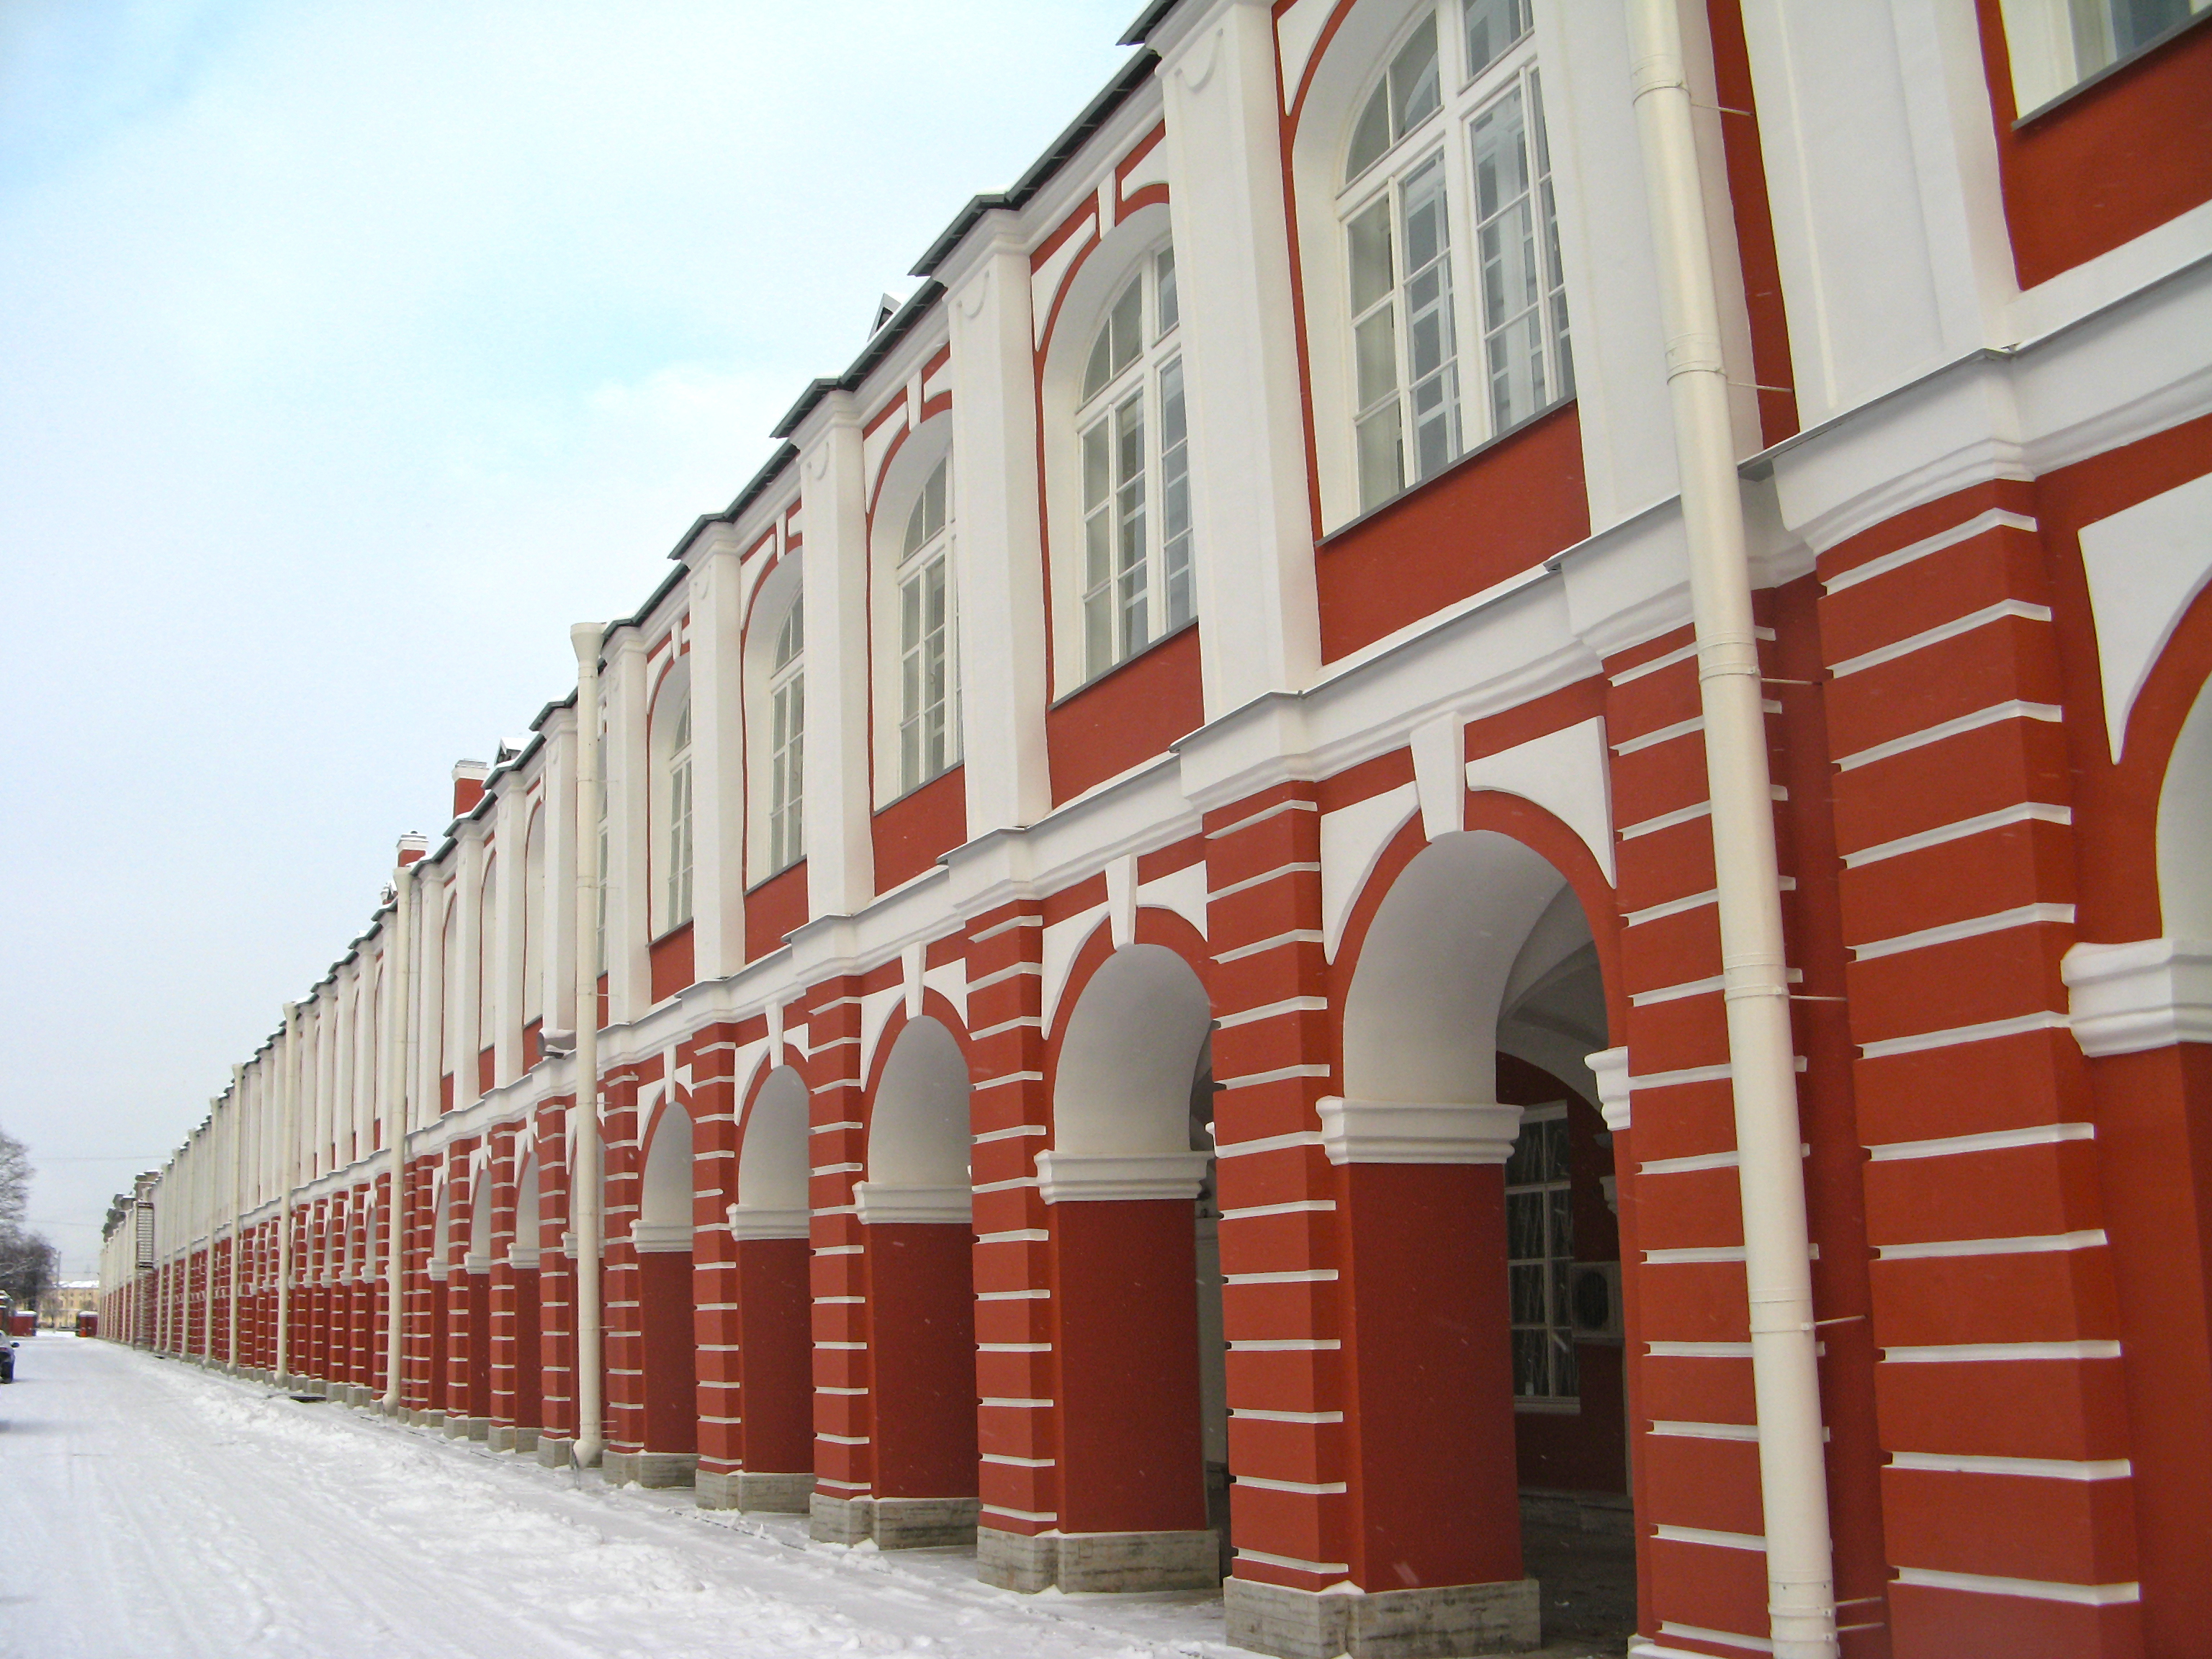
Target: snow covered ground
[{"x": 148, "y": 1509}]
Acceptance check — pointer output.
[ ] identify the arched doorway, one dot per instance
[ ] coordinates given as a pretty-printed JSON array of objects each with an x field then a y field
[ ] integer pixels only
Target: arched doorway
[
  {"x": 769, "y": 1464},
  {"x": 661, "y": 1235},
  {"x": 915, "y": 1211},
  {"x": 1472, "y": 1171}
]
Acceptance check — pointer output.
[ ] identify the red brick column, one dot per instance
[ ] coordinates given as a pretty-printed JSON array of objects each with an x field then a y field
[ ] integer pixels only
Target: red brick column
[
  {"x": 1293, "y": 1517},
  {"x": 844, "y": 1462},
  {"x": 418, "y": 1334},
  {"x": 2000, "y": 1392},
  {"x": 1018, "y": 1420},
  {"x": 624, "y": 1335},
  {"x": 506, "y": 1329},
  {"x": 556, "y": 1289}
]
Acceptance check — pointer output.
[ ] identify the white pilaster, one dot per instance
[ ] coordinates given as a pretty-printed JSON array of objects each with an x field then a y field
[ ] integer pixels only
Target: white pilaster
[
  {"x": 718, "y": 759},
  {"x": 629, "y": 924},
  {"x": 502, "y": 999},
  {"x": 840, "y": 856},
  {"x": 997, "y": 553},
  {"x": 1253, "y": 558},
  {"x": 461, "y": 996}
]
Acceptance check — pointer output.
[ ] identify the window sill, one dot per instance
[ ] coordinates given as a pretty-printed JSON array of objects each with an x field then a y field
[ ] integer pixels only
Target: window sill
[
  {"x": 2050, "y": 105},
  {"x": 1381, "y": 509},
  {"x": 1133, "y": 658}
]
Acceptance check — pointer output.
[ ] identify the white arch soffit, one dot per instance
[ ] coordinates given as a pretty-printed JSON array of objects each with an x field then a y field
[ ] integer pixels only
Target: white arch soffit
[
  {"x": 2152, "y": 994},
  {"x": 1297, "y": 31},
  {"x": 1420, "y": 1019},
  {"x": 1121, "y": 1090},
  {"x": 772, "y": 1162},
  {"x": 2145, "y": 565},
  {"x": 664, "y": 1205},
  {"x": 1556, "y": 964},
  {"x": 917, "y": 1153}
]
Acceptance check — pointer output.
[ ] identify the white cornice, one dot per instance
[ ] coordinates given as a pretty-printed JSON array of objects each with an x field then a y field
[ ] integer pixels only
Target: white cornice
[
  {"x": 1119, "y": 1177},
  {"x": 1406, "y": 1132}
]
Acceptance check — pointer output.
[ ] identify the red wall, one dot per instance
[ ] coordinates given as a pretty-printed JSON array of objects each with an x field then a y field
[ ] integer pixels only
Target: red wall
[
  {"x": 774, "y": 909},
  {"x": 1507, "y": 506},
  {"x": 2108, "y": 163},
  {"x": 672, "y": 959},
  {"x": 914, "y": 830},
  {"x": 1126, "y": 716}
]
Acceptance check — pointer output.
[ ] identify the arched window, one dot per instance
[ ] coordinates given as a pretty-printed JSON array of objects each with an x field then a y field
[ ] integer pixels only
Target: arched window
[
  {"x": 1135, "y": 471},
  {"x": 671, "y": 808},
  {"x": 1450, "y": 234},
  {"x": 929, "y": 695},
  {"x": 786, "y": 741},
  {"x": 535, "y": 921}
]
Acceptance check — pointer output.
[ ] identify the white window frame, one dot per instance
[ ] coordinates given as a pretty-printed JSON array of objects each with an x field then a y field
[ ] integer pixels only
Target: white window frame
[
  {"x": 1430, "y": 392},
  {"x": 1552, "y": 1271},
  {"x": 2056, "y": 46},
  {"x": 673, "y": 845},
  {"x": 1131, "y": 547},
  {"x": 928, "y": 734},
  {"x": 786, "y": 758}
]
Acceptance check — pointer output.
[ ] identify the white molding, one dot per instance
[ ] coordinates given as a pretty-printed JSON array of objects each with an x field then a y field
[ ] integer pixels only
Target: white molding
[
  {"x": 1119, "y": 1177},
  {"x": 757, "y": 1221},
  {"x": 1610, "y": 1067},
  {"x": 879, "y": 1204},
  {"x": 1412, "y": 1132},
  {"x": 2144, "y": 994},
  {"x": 659, "y": 1237}
]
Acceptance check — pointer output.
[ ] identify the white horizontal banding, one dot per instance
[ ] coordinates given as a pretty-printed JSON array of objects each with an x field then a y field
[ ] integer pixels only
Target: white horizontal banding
[
  {"x": 1943, "y": 631},
  {"x": 1998, "y": 921},
  {"x": 1408, "y": 1131},
  {"x": 2032, "y": 812},
  {"x": 1287, "y": 1344},
  {"x": 1726, "y": 1540},
  {"x": 1991, "y": 1141},
  {"x": 1994, "y": 715},
  {"x": 1269, "y": 1144},
  {"x": 1991, "y": 1352},
  {"x": 1744, "y": 1431},
  {"x": 2039, "y": 1469},
  {"x": 1719, "y": 1638},
  {"x": 1303, "y": 1488},
  {"x": 1119, "y": 1177},
  {"x": 1975, "y": 1583},
  {"x": 1287, "y": 1417},
  {"x": 2089, "y": 1239},
  {"x": 1987, "y": 1032},
  {"x": 1295, "y": 1206},
  {"x": 1993, "y": 519},
  {"x": 1324, "y": 1569}
]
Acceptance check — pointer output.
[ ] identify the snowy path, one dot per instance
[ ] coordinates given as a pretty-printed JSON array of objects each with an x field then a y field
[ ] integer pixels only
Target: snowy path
[{"x": 149, "y": 1510}]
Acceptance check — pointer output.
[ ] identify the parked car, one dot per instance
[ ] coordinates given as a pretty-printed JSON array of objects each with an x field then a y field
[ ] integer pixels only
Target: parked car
[{"x": 7, "y": 1358}]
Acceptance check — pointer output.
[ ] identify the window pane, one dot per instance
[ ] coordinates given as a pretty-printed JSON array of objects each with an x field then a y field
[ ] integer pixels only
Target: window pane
[
  {"x": 1098, "y": 628},
  {"x": 1129, "y": 548},
  {"x": 1415, "y": 92},
  {"x": 1492, "y": 26},
  {"x": 1169, "y": 306},
  {"x": 916, "y": 531},
  {"x": 1128, "y": 335},
  {"x": 1371, "y": 136},
  {"x": 1512, "y": 276},
  {"x": 1100, "y": 368},
  {"x": 1375, "y": 347},
  {"x": 1382, "y": 460},
  {"x": 1097, "y": 478},
  {"x": 1529, "y": 1368},
  {"x": 1430, "y": 347},
  {"x": 1175, "y": 499},
  {"x": 1372, "y": 272}
]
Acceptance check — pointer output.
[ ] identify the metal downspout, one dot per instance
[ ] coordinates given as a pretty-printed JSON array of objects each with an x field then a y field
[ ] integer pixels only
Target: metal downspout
[
  {"x": 1793, "y": 1473},
  {"x": 399, "y": 989},
  {"x": 584, "y": 1194}
]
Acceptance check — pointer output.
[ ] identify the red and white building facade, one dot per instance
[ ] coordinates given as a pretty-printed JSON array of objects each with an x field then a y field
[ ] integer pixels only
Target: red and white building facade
[{"x": 1161, "y": 1006}]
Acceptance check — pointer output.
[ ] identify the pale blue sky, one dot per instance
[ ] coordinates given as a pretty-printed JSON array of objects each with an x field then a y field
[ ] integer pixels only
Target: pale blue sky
[{"x": 349, "y": 353}]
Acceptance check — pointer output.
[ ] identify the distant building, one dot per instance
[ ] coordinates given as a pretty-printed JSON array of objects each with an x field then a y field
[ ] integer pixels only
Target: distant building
[
  {"x": 1167, "y": 992},
  {"x": 59, "y": 1307}
]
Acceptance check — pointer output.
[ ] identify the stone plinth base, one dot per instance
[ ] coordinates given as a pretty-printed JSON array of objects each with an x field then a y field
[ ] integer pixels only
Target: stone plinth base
[
  {"x": 1097, "y": 1561},
  {"x": 743, "y": 1489},
  {"x": 649, "y": 1469},
  {"x": 511, "y": 1438},
  {"x": 556, "y": 1451},
  {"x": 467, "y": 1428},
  {"x": 423, "y": 1418},
  {"x": 1451, "y": 1620},
  {"x": 894, "y": 1523}
]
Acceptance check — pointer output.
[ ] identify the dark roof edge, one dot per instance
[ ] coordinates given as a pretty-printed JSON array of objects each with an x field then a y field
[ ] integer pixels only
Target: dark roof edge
[
  {"x": 1140, "y": 33},
  {"x": 881, "y": 344},
  {"x": 1100, "y": 110}
]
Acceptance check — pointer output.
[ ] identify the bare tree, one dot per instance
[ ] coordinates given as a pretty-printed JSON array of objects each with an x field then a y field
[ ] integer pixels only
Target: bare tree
[
  {"x": 27, "y": 1259},
  {"x": 15, "y": 1179}
]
